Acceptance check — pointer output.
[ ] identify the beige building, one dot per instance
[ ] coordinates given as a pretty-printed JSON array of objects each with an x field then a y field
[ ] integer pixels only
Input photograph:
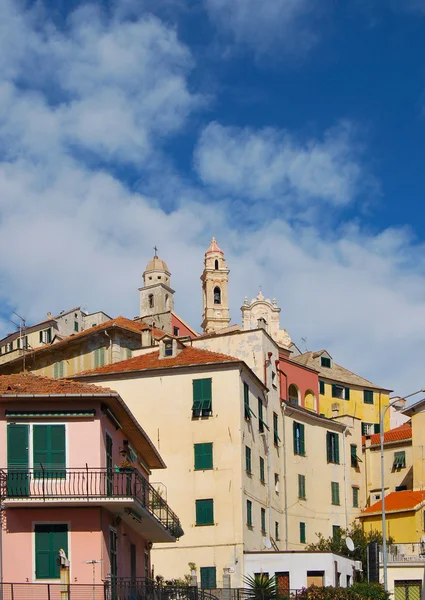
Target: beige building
[
  {"x": 215, "y": 290},
  {"x": 156, "y": 295},
  {"x": 261, "y": 312}
]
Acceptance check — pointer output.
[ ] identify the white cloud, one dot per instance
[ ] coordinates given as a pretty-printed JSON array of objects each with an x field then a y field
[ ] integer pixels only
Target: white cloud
[
  {"x": 270, "y": 164},
  {"x": 265, "y": 24}
]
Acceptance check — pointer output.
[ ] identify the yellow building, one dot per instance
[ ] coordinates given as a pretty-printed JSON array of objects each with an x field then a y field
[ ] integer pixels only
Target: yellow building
[
  {"x": 343, "y": 392},
  {"x": 108, "y": 342}
]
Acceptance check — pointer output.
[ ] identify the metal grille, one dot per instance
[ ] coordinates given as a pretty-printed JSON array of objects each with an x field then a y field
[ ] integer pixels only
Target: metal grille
[{"x": 408, "y": 589}]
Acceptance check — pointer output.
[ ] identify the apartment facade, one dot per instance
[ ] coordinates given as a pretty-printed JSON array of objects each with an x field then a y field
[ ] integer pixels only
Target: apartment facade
[{"x": 75, "y": 476}]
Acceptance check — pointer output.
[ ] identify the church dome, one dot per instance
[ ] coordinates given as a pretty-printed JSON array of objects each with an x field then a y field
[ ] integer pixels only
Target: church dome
[{"x": 156, "y": 264}]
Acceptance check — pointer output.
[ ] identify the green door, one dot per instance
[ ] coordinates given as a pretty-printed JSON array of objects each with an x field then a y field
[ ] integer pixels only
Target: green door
[
  {"x": 49, "y": 539},
  {"x": 109, "y": 465},
  {"x": 17, "y": 461}
]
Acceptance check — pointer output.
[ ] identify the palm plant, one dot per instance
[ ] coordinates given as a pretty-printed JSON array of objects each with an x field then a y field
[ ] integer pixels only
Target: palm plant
[{"x": 261, "y": 587}]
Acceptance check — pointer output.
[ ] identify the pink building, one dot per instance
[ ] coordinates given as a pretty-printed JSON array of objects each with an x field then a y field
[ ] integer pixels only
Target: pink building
[
  {"x": 75, "y": 477},
  {"x": 299, "y": 384}
]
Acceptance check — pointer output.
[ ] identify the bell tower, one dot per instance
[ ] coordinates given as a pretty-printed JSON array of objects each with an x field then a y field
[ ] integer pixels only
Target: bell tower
[
  {"x": 156, "y": 295},
  {"x": 215, "y": 279}
]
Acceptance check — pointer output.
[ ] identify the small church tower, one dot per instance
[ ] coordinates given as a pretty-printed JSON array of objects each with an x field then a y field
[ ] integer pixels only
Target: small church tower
[
  {"x": 215, "y": 279},
  {"x": 156, "y": 295}
]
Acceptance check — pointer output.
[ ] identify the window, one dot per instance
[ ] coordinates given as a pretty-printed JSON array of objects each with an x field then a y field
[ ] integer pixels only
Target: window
[
  {"x": 276, "y": 437},
  {"x": 150, "y": 299},
  {"x": 339, "y": 391},
  {"x": 293, "y": 394},
  {"x": 401, "y": 488},
  {"x": 128, "y": 353},
  {"x": 216, "y": 264},
  {"x": 58, "y": 369},
  {"x": 76, "y": 326},
  {"x": 301, "y": 487},
  {"x": 217, "y": 295},
  {"x": 203, "y": 454},
  {"x": 299, "y": 443},
  {"x": 208, "y": 577},
  {"x": 322, "y": 388},
  {"x": 22, "y": 343},
  {"x": 49, "y": 450},
  {"x": 354, "y": 458},
  {"x": 325, "y": 362},
  {"x": 355, "y": 497},
  {"x": 99, "y": 357},
  {"x": 45, "y": 336},
  {"x": 262, "y": 472},
  {"x": 274, "y": 383},
  {"x": 276, "y": 483},
  {"x": 261, "y": 423},
  {"x": 368, "y": 396},
  {"x": 399, "y": 460},
  {"x": 202, "y": 397},
  {"x": 49, "y": 539},
  {"x": 249, "y": 513},
  {"x": 248, "y": 463},
  {"x": 367, "y": 428},
  {"x": 263, "y": 520},
  {"x": 276, "y": 530},
  {"x": 9, "y": 346},
  {"x": 302, "y": 533},
  {"x": 335, "y": 493},
  {"x": 168, "y": 348},
  {"x": 332, "y": 447},
  {"x": 247, "y": 409},
  {"x": 336, "y": 532},
  {"x": 205, "y": 512},
  {"x": 176, "y": 331}
]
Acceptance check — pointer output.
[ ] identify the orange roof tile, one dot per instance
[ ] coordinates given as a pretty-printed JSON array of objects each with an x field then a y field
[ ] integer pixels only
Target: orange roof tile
[
  {"x": 28, "y": 384},
  {"x": 187, "y": 357},
  {"x": 397, "y": 501},
  {"x": 398, "y": 434}
]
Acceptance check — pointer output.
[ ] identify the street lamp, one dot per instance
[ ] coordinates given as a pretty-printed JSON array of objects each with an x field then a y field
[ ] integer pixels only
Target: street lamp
[{"x": 398, "y": 403}]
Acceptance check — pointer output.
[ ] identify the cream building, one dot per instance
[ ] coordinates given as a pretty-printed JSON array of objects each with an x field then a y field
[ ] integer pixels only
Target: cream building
[{"x": 261, "y": 312}]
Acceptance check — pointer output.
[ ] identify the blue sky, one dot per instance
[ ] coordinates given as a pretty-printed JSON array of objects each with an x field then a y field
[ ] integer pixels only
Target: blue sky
[{"x": 292, "y": 130}]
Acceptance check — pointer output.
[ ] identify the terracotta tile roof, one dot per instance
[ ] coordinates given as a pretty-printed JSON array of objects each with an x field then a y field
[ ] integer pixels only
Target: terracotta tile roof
[
  {"x": 397, "y": 501},
  {"x": 187, "y": 357},
  {"x": 334, "y": 372},
  {"x": 28, "y": 384},
  {"x": 398, "y": 434}
]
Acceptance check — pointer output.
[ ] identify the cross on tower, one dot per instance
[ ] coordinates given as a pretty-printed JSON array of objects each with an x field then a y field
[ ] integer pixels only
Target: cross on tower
[{"x": 156, "y": 250}]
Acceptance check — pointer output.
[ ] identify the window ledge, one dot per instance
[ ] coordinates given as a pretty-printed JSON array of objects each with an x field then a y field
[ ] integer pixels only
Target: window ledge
[{"x": 204, "y": 524}]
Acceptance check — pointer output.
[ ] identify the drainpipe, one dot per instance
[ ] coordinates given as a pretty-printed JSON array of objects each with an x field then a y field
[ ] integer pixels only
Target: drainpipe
[
  {"x": 285, "y": 493},
  {"x": 345, "y": 477}
]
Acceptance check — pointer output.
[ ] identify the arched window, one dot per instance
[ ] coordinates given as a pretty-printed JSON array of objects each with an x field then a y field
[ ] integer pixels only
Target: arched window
[
  {"x": 216, "y": 265},
  {"x": 310, "y": 401},
  {"x": 217, "y": 295},
  {"x": 293, "y": 394},
  {"x": 150, "y": 300}
]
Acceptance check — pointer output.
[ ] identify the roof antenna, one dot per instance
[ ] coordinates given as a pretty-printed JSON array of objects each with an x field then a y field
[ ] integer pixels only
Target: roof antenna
[
  {"x": 304, "y": 342},
  {"x": 22, "y": 327}
]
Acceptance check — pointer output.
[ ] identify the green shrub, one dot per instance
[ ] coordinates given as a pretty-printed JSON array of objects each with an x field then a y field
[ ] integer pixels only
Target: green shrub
[{"x": 358, "y": 591}]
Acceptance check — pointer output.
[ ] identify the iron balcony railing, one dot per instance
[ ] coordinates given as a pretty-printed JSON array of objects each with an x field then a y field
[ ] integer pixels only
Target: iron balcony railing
[{"x": 88, "y": 484}]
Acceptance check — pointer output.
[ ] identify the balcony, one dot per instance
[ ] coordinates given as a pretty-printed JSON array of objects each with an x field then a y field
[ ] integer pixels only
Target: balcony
[
  {"x": 405, "y": 553},
  {"x": 123, "y": 492}
]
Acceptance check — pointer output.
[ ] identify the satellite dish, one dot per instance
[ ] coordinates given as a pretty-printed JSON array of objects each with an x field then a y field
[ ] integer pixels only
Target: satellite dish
[
  {"x": 267, "y": 543},
  {"x": 349, "y": 543}
]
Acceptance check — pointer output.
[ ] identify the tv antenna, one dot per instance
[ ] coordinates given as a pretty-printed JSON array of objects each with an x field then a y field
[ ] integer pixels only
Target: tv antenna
[
  {"x": 22, "y": 327},
  {"x": 93, "y": 562},
  {"x": 304, "y": 342}
]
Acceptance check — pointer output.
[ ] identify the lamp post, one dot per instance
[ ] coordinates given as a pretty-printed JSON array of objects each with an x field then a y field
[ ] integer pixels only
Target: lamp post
[{"x": 398, "y": 403}]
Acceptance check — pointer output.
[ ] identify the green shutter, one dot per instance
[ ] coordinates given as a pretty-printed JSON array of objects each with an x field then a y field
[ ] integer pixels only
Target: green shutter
[
  {"x": 246, "y": 400},
  {"x": 399, "y": 460},
  {"x": 58, "y": 369},
  {"x": 262, "y": 473},
  {"x": 322, "y": 388},
  {"x": 49, "y": 539},
  {"x": 49, "y": 450},
  {"x": 276, "y": 437},
  {"x": 248, "y": 465},
  {"x": 205, "y": 512},
  {"x": 302, "y": 439},
  {"x": 260, "y": 415},
  {"x": 355, "y": 497},
  {"x": 202, "y": 395},
  {"x": 249, "y": 513},
  {"x": 263, "y": 519},
  {"x": 302, "y": 533},
  {"x": 301, "y": 487},
  {"x": 368, "y": 396},
  {"x": 203, "y": 456},
  {"x": 299, "y": 441},
  {"x": 40, "y": 337},
  {"x": 347, "y": 393},
  {"x": 17, "y": 460},
  {"x": 335, "y": 493},
  {"x": 376, "y": 428},
  {"x": 334, "y": 391},
  {"x": 336, "y": 438},
  {"x": 208, "y": 577},
  {"x": 353, "y": 454}
]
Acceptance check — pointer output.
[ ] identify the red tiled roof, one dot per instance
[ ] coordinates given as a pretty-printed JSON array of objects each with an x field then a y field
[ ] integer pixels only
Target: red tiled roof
[
  {"x": 398, "y": 434},
  {"x": 397, "y": 501},
  {"x": 28, "y": 384},
  {"x": 187, "y": 357}
]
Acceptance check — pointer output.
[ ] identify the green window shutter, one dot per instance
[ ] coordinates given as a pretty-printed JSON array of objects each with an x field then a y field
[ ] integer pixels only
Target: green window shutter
[
  {"x": 17, "y": 447},
  {"x": 325, "y": 362},
  {"x": 40, "y": 337},
  {"x": 203, "y": 456},
  {"x": 276, "y": 437},
  {"x": 301, "y": 487},
  {"x": 249, "y": 513},
  {"x": 376, "y": 428},
  {"x": 276, "y": 530},
  {"x": 347, "y": 393},
  {"x": 262, "y": 472},
  {"x": 208, "y": 577},
  {"x": 49, "y": 539},
  {"x": 368, "y": 396},
  {"x": 49, "y": 449},
  {"x": 364, "y": 428},
  {"x": 295, "y": 437},
  {"x": 335, "y": 493},
  {"x": 260, "y": 415},
  {"x": 248, "y": 464},
  {"x": 328, "y": 447},
  {"x": 399, "y": 460},
  {"x": 336, "y": 438},
  {"x": 334, "y": 391},
  {"x": 205, "y": 512},
  {"x": 263, "y": 519},
  {"x": 322, "y": 388},
  {"x": 299, "y": 441},
  {"x": 355, "y": 497},
  {"x": 336, "y": 532},
  {"x": 353, "y": 454},
  {"x": 202, "y": 395},
  {"x": 75, "y": 325},
  {"x": 246, "y": 400},
  {"x": 58, "y": 369},
  {"x": 302, "y": 533},
  {"x": 302, "y": 440}
]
